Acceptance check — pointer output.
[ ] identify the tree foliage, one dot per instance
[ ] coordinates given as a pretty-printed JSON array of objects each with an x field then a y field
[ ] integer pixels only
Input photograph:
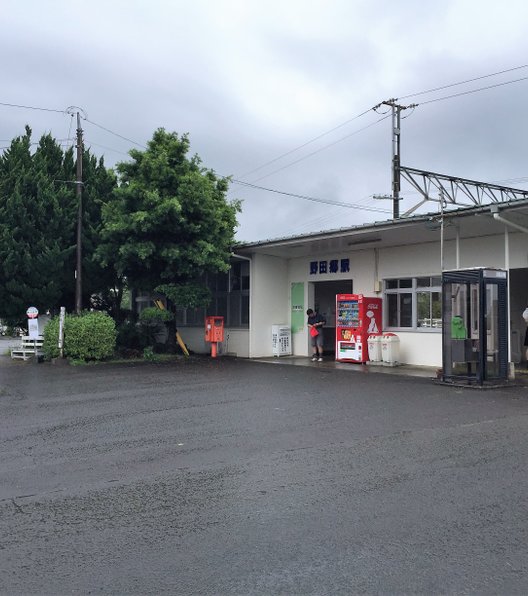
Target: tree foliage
[
  {"x": 38, "y": 218},
  {"x": 163, "y": 221},
  {"x": 36, "y": 225},
  {"x": 169, "y": 221}
]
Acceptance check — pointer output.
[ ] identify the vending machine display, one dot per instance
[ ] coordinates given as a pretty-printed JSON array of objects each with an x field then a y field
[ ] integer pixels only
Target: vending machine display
[{"x": 357, "y": 317}]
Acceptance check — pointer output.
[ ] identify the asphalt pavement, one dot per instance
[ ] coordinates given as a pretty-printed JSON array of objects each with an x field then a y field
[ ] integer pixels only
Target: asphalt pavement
[{"x": 229, "y": 476}]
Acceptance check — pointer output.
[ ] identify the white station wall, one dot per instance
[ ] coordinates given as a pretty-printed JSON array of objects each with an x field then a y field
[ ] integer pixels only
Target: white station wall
[
  {"x": 274, "y": 276},
  {"x": 269, "y": 302},
  {"x": 271, "y": 279}
]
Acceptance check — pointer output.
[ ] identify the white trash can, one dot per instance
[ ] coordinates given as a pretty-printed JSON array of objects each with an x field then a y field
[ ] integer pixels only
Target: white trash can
[
  {"x": 390, "y": 349},
  {"x": 374, "y": 348}
]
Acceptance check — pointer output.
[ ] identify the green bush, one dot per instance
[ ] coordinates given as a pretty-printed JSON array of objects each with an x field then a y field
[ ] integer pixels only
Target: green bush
[
  {"x": 129, "y": 336},
  {"x": 89, "y": 336}
]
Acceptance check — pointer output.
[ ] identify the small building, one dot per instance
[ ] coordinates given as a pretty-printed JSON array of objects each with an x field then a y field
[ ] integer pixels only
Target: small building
[{"x": 401, "y": 260}]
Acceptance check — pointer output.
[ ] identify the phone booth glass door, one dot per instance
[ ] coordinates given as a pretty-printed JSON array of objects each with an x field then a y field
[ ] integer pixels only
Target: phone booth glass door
[{"x": 474, "y": 330}]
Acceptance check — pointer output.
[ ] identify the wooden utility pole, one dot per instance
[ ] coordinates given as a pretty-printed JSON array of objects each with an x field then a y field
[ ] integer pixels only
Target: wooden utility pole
[{"x": 78, "y": 186}]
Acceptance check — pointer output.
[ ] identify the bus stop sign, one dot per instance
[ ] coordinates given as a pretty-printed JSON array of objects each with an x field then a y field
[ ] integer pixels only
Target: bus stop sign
[{"x": 32, "y": 312}]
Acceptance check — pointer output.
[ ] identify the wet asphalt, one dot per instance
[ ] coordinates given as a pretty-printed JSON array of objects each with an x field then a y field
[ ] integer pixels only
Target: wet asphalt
[{"x": 234, "y": 477}]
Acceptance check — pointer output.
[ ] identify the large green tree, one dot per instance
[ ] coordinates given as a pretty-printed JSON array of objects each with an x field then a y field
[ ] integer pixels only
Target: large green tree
[
  {"x": 101, "y": 286},
  {"x": 38, "y": 214},
  {"x": 35, "y": 225},
  {"x": 169, "y": 221}
]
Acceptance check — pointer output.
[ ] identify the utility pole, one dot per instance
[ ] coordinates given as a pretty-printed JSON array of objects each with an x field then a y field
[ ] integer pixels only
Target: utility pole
[
  {"x": 78, "y": 186},
  {"x": 396, "y": 161}
]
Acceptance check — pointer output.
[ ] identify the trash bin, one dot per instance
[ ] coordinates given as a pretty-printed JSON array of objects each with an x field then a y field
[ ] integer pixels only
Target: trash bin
[
  {"x": 390, "y": 349},
  {"x": 374, "y": 348}
]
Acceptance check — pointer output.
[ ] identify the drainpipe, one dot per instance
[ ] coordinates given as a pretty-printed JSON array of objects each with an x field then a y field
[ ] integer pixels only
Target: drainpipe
[
  {"x": 250, "y": 351},
  {"x": 495, "y": 212}
]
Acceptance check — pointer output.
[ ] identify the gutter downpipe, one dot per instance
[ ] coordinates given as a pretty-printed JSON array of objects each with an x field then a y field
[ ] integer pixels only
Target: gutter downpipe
[
  {"x": 250, "y": 295},
  {"x": 511, "y": 224}
]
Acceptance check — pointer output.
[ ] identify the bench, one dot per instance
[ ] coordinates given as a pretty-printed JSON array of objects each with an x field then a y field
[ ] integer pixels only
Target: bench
[{"x": 29, "y": 347}]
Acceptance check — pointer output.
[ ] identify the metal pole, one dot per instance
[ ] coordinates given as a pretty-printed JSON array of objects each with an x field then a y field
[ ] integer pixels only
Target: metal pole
[
  {"x": 78, "y": 185},
  {"x": 62, "y": 316},
  {"x": 441, "y": 231},
  {"x": 395, "y": 161}
]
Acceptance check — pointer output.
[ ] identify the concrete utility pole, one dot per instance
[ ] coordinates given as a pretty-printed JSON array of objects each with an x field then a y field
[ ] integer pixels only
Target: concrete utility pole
[
  {"x": 396, "y": 161},
  {"x": 78, "y": 185}
]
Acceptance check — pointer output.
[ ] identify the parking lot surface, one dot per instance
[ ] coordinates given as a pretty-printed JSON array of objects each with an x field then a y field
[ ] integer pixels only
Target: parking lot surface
[{"x": 234, "y": 477}]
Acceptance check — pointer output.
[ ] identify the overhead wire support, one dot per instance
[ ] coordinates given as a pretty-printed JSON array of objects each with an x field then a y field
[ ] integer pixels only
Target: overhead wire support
[
  {"x": 78, "y": 191},
  {"x": 78, "y": 188},
  {"x": 458, "y": 191},
  {"x": 396, "y": 159}
]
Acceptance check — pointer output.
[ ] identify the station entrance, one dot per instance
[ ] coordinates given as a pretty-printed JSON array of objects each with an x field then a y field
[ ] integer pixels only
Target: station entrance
[{"x": 322, "y": 294}]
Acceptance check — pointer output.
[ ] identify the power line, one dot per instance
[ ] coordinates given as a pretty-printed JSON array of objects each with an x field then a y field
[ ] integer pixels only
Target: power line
[
  {"x": 374, "y": 108},
  {"x": 14, "y": 105},
  {"x": 312, "y": 199},
  {"x": 115, "y": 133},
  {"x": 387, "y": 116},
  {"x": 493, "y": 74},
  {"x": 472, "y": 91},
  {"x": 87, "y": 142},
  {"x": 304, "y": 144},
  {"x": 322, "y": 148}
]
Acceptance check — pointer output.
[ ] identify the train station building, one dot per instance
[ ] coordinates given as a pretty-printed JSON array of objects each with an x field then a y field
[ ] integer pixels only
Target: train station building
[{"x": 273, "y": 282}]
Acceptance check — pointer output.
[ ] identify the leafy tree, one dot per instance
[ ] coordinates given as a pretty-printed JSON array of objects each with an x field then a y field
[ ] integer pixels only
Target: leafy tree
[
  {"x": 38, "y": 216},
  {"x": 101, "y": 286},
  {"x": 169, "y": 221},
  {"x": 35, "y": 226}
]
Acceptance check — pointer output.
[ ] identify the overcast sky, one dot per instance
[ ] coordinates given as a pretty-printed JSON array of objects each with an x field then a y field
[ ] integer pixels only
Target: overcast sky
[{"x": 252, "y": 80}]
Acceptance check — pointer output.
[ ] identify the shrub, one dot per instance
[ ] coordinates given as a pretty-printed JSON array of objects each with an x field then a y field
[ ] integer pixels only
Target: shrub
[
  {"x": 89, "y": 336},
  {"x": 129, "y": 337},
  {"x": 149, "y": 354}
]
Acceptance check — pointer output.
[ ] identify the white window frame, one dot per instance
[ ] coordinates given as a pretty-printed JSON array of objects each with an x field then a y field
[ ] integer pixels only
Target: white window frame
[{"x": 413, "y": 290}]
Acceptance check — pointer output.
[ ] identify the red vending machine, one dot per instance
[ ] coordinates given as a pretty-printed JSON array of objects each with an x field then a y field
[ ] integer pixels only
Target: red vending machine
[{"x": 357, "y": 316}]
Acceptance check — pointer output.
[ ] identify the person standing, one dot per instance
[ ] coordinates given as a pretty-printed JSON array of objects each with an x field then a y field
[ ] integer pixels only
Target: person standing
[{"x": 316, "y": 323}]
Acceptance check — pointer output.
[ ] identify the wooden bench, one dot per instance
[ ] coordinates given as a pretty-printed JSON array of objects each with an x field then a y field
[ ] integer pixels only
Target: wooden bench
[{"x": 29, "y": 347}]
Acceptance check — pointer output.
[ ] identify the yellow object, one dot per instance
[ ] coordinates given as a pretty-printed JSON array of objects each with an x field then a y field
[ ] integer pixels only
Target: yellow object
[
  {"x": 182, "y": 344},
  {"x": 180, "y": 341}
]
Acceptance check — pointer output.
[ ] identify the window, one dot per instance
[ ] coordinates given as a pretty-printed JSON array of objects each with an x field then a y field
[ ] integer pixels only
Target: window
[
  {"x": 414, "y": 303},
  {"x": 230, "y": 299}
]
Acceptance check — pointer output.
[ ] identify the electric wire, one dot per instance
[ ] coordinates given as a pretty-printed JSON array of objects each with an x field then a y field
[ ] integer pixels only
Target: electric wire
[
  {"x": 319, "y": 223},
  {"x": 375, "y": 109},
  {"x": 320, "y": 136},
  {"x": 388, "y": 115},
  {"x": 312, "y": 199},
  {"x": 321, "y": 149},
  {"x": 14, "y": 105},
  {"x": 463, "y": 82},
  {"x": 115, "y": 133},
  {"x": 87, "y": 142},
  {"x": 423, "y": 103}
]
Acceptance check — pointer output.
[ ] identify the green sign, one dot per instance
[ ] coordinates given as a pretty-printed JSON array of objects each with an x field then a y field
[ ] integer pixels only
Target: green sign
[{"x": 297, "y": 306}]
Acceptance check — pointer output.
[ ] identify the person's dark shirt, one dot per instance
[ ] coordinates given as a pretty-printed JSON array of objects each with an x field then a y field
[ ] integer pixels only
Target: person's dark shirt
[{"x": 316, "y": 318}]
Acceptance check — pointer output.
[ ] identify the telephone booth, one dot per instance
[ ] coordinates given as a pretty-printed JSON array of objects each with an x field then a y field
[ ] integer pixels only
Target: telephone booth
[{"x": 474, "y": 326}]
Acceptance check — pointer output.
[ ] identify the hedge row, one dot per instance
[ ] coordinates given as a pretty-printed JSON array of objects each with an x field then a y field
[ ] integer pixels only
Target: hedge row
[{"x": 89, "y": 336}]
